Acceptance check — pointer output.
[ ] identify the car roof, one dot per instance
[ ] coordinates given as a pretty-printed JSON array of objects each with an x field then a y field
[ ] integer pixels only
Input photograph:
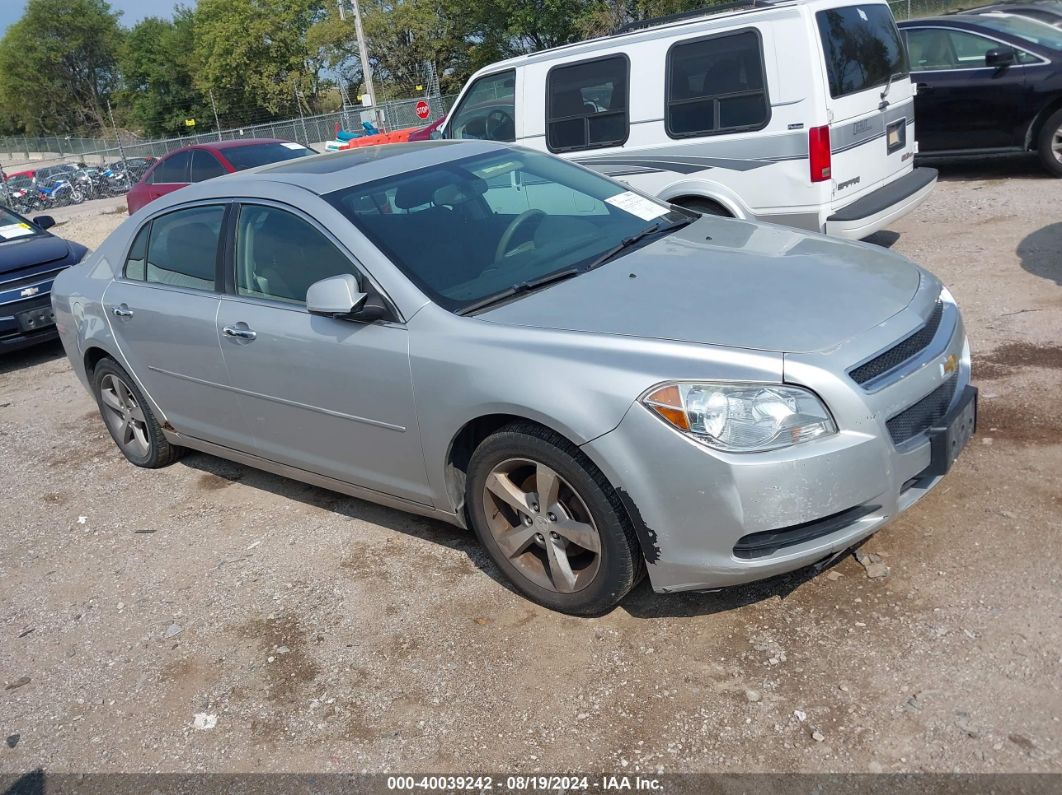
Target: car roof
[
  {"x": 234, "y": 143},
  {"x": 334, "y": 171}
]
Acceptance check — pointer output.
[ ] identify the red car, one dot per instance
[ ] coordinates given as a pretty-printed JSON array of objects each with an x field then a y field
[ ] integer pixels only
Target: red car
[{"x": 203, "y": 161}]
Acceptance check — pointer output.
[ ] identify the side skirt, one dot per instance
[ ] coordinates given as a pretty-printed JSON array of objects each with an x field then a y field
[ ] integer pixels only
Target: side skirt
[{"x": 304, "y": 476}]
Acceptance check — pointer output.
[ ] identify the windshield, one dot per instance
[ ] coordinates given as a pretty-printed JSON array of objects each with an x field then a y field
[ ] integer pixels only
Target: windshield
[
  {"x": 12, "y": 227},
  {"x": 862, "y": 48},
  {"x": 255, "y": 155},
  {"x": 472, "y": 228},
  {"x": 1031, "y": 30}
]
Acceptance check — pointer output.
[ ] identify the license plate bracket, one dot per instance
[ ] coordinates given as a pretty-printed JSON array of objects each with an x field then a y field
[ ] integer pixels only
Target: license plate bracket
[
  {"x": 951, "y": 434},
  {"x": 36, "y": 319},
  {"x": 896, "y": 136}
]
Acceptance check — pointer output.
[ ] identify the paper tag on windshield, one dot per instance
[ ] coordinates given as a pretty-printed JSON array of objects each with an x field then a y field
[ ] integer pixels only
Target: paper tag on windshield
[
  {"x": 290, "y": 145},
  {"x": 11, "y": 231},
  {"x": 637, "y": 205}
]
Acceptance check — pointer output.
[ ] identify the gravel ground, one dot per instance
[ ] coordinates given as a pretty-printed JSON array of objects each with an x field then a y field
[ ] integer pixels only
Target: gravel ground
[{"x": 325, "y": 633}]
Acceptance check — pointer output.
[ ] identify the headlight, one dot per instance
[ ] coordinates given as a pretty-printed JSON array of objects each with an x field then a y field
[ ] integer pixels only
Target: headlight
[{"x": 742, "y": 418}]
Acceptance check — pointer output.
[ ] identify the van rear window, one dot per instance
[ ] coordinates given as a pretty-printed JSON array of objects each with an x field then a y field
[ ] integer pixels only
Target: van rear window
[{"x": 862, "y": 48}]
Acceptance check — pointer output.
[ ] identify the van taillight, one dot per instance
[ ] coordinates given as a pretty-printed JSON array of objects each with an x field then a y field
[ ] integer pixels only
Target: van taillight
[{"x": 819, "y": 151}]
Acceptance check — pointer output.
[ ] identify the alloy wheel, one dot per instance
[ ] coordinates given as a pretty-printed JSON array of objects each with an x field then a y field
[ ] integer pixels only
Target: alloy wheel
[
  {"x": 124, "y": 416},
  {"x": 1056, "y": 144},
  {"x": 542, "y": 525}
]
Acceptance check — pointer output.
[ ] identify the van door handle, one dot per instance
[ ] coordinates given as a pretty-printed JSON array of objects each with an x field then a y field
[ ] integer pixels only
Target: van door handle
[
  {"x": 122, "y": 311},
  {"x": 923, "y": 86},
  {"x": 242, "y": 333}
]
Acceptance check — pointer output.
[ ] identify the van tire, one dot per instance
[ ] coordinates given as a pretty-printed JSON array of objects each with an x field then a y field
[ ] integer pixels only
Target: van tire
[
  {"x": 1051, "y": 136},
  {"x": 704, "y": 207}
]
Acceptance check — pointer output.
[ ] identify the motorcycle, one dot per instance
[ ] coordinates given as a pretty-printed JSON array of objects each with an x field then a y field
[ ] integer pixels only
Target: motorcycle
[
  {"x": 60, "y": 192},
  {"x": 90, "y": 182}
]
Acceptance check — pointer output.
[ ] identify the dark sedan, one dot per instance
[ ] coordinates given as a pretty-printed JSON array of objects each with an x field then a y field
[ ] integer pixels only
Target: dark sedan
[
  {"x": 987, "y": 84},
  {"x": 1049, "y": 11},
  {"x": 30, "y": 258}
]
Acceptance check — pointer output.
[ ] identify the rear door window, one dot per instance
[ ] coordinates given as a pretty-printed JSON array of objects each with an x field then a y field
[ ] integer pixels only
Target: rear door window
[
  {"x": 173, "y": 169},
  {"x": 183, "y": 247},
  {"x": 716, "y": 85},
  {"x": 586, "y": 104},
  {"x": 488, "y": 111},
  {"x": 205, "y": 166},
  {"x": 862, "y": 48}
]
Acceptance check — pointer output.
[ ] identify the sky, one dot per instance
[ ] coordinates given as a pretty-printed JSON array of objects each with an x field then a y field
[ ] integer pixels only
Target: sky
[{"x": 135, "y": 10}]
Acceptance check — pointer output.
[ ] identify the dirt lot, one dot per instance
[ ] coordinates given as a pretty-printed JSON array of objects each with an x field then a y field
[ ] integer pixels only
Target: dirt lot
[{"x": 324, "y": 633}]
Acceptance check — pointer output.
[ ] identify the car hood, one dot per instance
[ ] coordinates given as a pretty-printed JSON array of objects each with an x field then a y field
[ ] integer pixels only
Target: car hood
[
  {"x": 25, "y": 252},
  {"x": 732, "y": 283}
]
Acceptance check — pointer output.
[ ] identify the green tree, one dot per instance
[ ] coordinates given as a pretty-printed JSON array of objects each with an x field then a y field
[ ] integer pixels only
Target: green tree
[
  {"x": 58, "y": 66},
  {"x": 158, "y": 84},
  {"x": 254, "y": 54}
]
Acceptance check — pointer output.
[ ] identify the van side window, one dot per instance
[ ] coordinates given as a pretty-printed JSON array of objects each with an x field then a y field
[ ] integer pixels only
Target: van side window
[
  {"x": 716, "y": 85},
  {"x": 586, "y": 104},
  {"x": 488, "y": 111}
]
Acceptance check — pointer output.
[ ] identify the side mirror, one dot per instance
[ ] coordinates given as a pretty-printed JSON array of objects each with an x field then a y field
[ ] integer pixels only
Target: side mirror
[
  {"x": 339, "y": 297},
  {"x": 1000, "y": 57},
  {"x": 44, "y": 221},
  {"x": 336, "y": 295}
]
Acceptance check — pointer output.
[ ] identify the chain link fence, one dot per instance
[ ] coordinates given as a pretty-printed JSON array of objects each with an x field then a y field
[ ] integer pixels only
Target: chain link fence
[
  {"x": 915, "y": 9},
  {"x": 306, "y": 130}
]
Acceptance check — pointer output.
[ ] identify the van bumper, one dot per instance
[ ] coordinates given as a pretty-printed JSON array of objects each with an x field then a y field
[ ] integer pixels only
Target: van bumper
[{"x": 880, "y": 208}]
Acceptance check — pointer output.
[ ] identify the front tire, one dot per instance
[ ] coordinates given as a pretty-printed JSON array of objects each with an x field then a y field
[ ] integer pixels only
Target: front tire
[
  {"x": 129, "y": 418},
  {"x": 1049, "y": 144},
  {"x": 551, "y": 521}
]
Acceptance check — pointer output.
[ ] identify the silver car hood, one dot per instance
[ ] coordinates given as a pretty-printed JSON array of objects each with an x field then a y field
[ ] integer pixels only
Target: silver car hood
[{"x": 731, "y": 283}]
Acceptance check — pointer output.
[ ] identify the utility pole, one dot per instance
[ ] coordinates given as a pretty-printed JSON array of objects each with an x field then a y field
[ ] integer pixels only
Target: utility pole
[
  {"x": 214, "y": 107},
  {"x": 121, "y": 149},
  {"x": 363, "y": 53}
]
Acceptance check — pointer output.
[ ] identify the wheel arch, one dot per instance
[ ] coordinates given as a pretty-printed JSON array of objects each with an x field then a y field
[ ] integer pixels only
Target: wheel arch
[
  {"x": 1032, "y": 135},
  {"x": 472, "y": 433},
  {"x": 702, "y": 190}
]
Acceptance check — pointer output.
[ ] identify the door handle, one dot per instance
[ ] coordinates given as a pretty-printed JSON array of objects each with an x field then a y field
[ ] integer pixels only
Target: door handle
[
  {"x": 242, "y": 333},
  {"x": 923, "y": 86},
  {"x": 122, "y": 311}
]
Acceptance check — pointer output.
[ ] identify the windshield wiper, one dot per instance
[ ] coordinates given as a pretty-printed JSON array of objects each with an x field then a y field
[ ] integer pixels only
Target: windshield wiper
[
  {"x": 519, "y": 289},
  {"x": 628, "y": 242}
]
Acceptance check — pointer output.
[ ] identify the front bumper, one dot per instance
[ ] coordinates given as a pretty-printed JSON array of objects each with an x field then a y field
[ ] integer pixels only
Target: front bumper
[
  {"x": 878, "y": 209},
  {"x": 708, "y": 519}
]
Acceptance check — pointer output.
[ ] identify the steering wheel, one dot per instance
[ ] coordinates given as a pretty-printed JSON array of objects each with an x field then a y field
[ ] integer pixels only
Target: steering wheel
[
  {"x": 500, "y": 118},
  {"x": 510, "y": 230}
]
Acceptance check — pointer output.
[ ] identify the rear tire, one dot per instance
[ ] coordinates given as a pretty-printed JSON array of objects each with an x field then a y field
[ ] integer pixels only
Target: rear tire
[
  {"x": 705, "y": 207},
  {"x": 1049, "y": 144},
  {"x": 129, "y": 418},
  {"x": 576, "y": 552}
]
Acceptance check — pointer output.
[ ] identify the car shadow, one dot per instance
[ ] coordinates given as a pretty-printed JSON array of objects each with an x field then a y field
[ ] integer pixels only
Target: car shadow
[
  {"x": 642, "y": 602},
  {"x": 1041, "y": 252},
  {"x": 884, "y": 238},
  {"x": 30, "y": 357},
  {"x": 995, "y": 167},
  {"x": 219, "y": 473}
]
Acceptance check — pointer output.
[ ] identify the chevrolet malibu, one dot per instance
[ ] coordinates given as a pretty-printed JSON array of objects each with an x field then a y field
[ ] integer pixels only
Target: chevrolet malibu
[{"x": 599, "y": 384}]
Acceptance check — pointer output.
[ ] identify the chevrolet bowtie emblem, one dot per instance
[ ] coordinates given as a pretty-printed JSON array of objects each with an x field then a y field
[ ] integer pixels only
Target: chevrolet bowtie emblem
[
  {"x": 30, "y": 291},
  {"x": 949, "y": 365}
]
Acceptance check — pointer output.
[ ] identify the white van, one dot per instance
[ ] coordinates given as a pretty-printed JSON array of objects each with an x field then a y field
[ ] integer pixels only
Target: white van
[{"x": 798, "y": 112}]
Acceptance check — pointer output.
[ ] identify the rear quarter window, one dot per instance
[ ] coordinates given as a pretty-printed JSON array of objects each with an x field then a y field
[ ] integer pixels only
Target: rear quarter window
[{"x": 861, "y": 47}]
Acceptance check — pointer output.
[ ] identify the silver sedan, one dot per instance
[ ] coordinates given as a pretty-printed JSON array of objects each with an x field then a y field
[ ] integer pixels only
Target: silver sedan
[{"x": 601, "y": 385}]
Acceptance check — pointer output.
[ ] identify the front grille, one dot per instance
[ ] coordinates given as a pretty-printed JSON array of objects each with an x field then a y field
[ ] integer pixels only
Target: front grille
[
  {"x": 906, "y": 349},
  {"x": 13, "y": 281},
  {"x": 759, "y": 545},
  {"x": 924, "y": 414}
]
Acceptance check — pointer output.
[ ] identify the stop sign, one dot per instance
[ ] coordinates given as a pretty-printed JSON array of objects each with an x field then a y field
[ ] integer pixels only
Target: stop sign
[{"x": 422, "y": 109}]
